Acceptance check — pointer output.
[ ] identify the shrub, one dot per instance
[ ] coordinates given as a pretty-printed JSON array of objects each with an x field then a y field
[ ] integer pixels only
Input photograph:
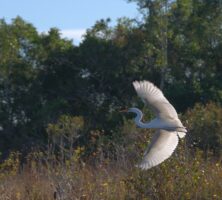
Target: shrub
[
  {"x": 10, "y": 166},
  {"x": 63, "y": 135},
  {"x": 204, "y": 123}
]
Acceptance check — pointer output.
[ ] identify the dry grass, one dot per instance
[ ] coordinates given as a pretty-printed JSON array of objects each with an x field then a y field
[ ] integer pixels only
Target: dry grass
[{"x": 181, "y": 177}]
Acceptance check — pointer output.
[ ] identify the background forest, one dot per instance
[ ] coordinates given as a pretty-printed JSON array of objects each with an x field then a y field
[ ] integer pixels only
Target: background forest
[{"x": 61, "y": 133}]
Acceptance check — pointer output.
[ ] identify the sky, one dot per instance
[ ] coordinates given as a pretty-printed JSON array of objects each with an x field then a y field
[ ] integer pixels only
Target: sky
[{"x": 72, "y": 17}]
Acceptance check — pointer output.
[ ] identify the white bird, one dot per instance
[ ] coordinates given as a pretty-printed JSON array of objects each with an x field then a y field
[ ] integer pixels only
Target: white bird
[{"x": 167, "y": 123}]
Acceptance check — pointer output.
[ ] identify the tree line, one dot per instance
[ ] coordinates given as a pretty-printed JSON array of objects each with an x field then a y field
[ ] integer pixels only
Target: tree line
[{"x": 176, "y": 44}]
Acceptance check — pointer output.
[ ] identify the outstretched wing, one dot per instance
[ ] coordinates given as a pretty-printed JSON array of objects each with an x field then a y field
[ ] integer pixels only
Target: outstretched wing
[
  {"x": 161, "y": 147},
  {"x": 155, "y": 99}
]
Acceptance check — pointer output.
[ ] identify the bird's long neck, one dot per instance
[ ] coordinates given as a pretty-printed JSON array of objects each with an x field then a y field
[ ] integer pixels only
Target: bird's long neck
[{"x": 138, "y": 118}]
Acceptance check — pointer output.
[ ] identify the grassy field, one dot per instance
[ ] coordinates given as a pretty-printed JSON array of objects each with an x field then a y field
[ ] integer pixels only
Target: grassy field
[{"x": 184, "y": 176}]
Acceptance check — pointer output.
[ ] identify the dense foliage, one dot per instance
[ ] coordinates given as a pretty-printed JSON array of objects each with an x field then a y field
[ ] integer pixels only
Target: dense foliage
[
  {"x": 45, "y": 78},
  {"x": 176, "y": 44}
]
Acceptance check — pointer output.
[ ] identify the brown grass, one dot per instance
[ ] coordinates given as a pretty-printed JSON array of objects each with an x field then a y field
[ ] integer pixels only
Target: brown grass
[{"x": 181, "y": 177}]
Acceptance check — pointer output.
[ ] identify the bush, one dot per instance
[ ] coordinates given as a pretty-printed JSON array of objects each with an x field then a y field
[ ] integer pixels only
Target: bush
[
  {"x": 180, "y": 177},
  {"x": 63, "y": 135},
  {"x": 204, "y": 123}
]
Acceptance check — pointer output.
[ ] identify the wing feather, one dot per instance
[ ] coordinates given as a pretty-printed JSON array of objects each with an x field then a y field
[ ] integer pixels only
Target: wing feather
[
  {"x": 161, "y": 147},
  {"x": 155, "y": 99}
]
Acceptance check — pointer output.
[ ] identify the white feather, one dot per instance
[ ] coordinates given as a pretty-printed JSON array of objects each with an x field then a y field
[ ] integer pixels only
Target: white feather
[
  {"x": 166, "y": 115},
  {"x": 161, "y": 147}
]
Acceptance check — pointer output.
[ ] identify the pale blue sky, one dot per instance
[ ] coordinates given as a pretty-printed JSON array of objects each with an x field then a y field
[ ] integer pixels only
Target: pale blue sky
[{"x": 72, "y": 17}]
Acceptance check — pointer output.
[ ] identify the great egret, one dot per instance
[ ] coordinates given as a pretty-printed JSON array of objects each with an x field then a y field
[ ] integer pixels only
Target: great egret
[{"x": 167, "y": 123}]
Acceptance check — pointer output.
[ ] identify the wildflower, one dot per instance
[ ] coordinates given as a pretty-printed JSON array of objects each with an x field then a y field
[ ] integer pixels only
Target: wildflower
[
  {"x": 104, "y": 184},
  {"x": 121, "y": 182},
  {"x": 18, "y": 195},
  {"x": 187, "y": 194}
]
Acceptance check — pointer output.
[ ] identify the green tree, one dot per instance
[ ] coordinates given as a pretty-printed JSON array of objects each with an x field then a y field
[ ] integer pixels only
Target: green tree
[
  {"x": 17, "y": 72},
  {"x": 183, "y": 39},
  {"x": 193, "y": 52}
]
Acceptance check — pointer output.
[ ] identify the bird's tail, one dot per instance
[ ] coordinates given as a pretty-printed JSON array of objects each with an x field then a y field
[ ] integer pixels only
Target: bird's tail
[
  {"x": 181, "y": 129},
  {"x": 181, "y": 134}
]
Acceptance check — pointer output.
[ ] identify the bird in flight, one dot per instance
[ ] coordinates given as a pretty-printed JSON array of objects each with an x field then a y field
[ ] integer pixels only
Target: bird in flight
[{"x": 167, "y": 124}]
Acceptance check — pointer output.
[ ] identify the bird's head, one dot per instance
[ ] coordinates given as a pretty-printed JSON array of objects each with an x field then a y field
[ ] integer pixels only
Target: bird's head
[{"x": 138, "y": 116}]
